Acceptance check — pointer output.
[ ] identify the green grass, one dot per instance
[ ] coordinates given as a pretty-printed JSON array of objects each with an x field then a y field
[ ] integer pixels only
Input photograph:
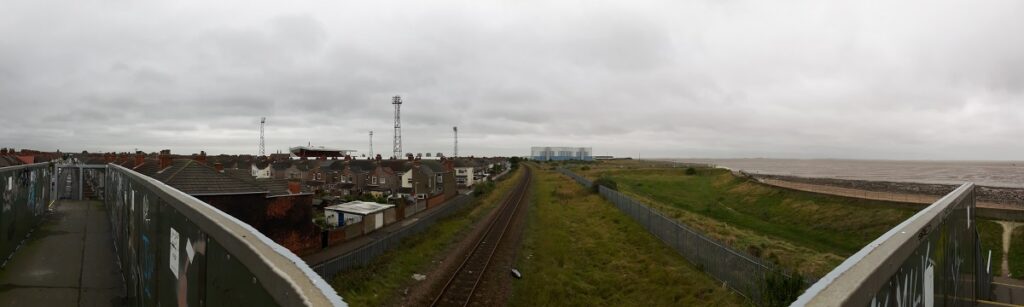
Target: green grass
[
  {"x": 991, "y": 235},
  {"x": 1016, "y": 260},
  {"x": 807, "y": 232},
  {"x": 578, "y": 250},
  {"x": 379, "y": 282}
]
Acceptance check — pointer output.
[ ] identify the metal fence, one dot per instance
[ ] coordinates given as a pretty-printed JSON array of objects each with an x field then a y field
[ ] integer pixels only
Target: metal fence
[
  {"x": 367, "y": 253},
  {"x": 743, "y": 273},
  {"x": 25, "y": 195},
  {"x": 931, "y": 259},
  {"x": 176, "y": 250}
]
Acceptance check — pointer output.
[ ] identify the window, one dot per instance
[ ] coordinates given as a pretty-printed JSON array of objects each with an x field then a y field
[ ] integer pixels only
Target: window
[
  {"x": 381, "y": 180},
  {"x": 373, "y": 180}
]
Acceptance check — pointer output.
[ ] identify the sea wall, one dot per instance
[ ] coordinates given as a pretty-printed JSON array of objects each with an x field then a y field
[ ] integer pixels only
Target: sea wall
[{"x": 1000, "y": 195}]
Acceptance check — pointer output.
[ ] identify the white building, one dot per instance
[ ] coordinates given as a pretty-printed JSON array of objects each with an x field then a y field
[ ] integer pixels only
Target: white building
[
  {"x": 356, "y": 211},
  {"x": 561, "y": 153}
]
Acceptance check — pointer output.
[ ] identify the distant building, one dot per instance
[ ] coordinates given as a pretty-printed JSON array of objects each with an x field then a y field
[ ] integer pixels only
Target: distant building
[
  {"x": 319, "y": 152},
  {"x": 561, "y": 153}
]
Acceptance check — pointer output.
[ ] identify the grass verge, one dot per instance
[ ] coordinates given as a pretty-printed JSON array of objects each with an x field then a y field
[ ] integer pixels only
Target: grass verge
[
  {"x": 578, "y": 250},
  {"x": 991, "y": 235},
  {"x": 1016, "y": 260},
  {"x": 379, "y": 282}
]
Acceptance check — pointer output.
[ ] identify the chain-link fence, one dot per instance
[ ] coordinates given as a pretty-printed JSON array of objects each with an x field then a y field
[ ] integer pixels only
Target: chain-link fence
[
  {"x": 367, "y": 253},
  {"x": 740, "y": 271}
]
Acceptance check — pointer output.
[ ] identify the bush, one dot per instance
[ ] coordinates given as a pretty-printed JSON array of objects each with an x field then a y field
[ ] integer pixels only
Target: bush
[
  {"x": 483, "y": 188},
  {"x": 779, "y": 289},
  {"x": 585, "y": 168},
  {"x": 606, "y": 182},
  {"x": 691, "y": 171}
]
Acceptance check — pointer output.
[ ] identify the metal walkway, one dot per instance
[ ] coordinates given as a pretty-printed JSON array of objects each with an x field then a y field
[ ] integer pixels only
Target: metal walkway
[{"x": 69, "y": 260}]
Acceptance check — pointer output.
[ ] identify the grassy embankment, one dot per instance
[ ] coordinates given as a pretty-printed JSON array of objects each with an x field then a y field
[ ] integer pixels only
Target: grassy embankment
[
  {"x": 806, "y": 232},
  {"x": 579, "y": 250},
  {"x": 380, "y": 281},
  {"x": 991, "y": 235},
  {"x": 1016, "y": 260}
]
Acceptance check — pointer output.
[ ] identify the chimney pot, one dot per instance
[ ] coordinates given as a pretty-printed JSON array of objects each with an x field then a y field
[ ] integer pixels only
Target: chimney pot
[
  {"x": 165, "y": 158},
  {"x": 139, "y": 158},
  {"x": 219, "y": 167},
  {"x": 201, "y": 158}
]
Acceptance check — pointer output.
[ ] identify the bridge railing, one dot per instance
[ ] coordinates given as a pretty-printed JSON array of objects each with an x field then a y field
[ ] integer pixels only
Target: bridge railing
[
  {"x": 175, "y": 250},
  {"x": 931, "y": 259},
  {"x": 25, "y": 194}
]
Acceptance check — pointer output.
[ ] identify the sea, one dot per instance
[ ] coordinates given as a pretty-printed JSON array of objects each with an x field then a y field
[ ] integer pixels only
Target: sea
[{"x": 986, "y": 173}]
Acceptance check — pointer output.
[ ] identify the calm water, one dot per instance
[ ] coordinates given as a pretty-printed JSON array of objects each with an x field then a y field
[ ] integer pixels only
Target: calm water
[{"x": 990, "y": 173}]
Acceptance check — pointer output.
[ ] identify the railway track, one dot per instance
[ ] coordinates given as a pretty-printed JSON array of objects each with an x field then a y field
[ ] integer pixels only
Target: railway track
[{"x": 459, "y": 289}]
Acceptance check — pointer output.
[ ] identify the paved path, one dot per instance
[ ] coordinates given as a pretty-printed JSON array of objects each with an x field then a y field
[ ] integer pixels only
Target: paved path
[
  {"x": 1008, "y": 291},
  {"x": 68, "y": 261}
]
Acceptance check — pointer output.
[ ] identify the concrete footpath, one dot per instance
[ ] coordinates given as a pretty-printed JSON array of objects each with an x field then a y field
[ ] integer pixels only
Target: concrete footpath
[{"x": 69, "y": 260}]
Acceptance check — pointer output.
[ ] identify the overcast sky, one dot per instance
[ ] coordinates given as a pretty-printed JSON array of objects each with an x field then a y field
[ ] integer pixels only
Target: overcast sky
[{"x": 788, "y": 79}]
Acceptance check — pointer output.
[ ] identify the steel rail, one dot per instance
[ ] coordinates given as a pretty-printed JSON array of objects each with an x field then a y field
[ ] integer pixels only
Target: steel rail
[{"x": 487, "y": 244}]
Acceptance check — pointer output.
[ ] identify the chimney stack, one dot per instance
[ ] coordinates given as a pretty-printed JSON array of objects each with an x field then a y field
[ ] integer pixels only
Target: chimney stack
[
  {"x": 202, "y": 157},
  {"x": 219, "y": 167},
  {"x": 348, "y": 158},
  {"x": 165, "y": 158},
  {"x": 378, "y": 157},
  {"x": 408, "y": 156},
  {"x": 139, "y": 158},
  {"x": 294, "y": 187}
]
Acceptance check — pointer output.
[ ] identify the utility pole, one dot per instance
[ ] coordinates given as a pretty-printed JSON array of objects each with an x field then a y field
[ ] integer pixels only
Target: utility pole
[
  {"x": 456, "y": 151},
  {"x": 397, "y": 151}
]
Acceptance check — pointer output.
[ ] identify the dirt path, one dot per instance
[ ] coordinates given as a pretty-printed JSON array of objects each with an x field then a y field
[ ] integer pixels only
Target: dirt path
[
  {"x": 873, "y": 195},
  {"x": 1007, "y": 232}
]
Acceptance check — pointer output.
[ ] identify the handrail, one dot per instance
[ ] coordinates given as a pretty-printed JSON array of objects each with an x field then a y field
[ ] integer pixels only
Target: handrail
[{"x": 856, "y": 281}]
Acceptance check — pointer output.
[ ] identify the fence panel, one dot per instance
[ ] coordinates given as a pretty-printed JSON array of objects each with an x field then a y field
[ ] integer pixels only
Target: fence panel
[
  {"x": 25, "y": 195},
  {"x": 931, "y": 259},
  {"x": 177, "y": 250}
]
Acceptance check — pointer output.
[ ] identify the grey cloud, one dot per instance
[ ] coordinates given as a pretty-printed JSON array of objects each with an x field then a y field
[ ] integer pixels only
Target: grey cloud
[{"x": 843, "y": 79}]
